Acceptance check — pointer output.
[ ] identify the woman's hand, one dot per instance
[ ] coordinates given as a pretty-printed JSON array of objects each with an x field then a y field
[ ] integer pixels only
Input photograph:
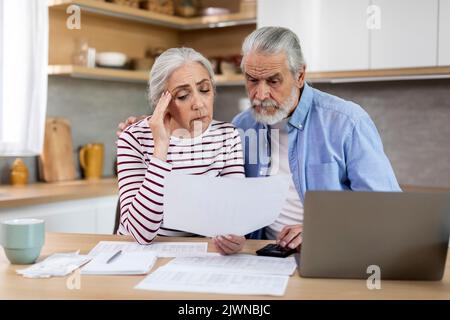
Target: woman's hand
[
  {"x": 290, "y": 236},
  {"x": 159, "y": 123},
  {"x": 229, "y": 244}
]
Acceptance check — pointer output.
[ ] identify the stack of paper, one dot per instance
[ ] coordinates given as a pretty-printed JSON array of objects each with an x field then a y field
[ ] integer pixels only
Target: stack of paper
[
  {"x": 240, "y": 263},
  {"x": 236, "y": 274},
  {"x": 161, "y": 249},
  {"x": 125, "y": 264},
  {"x": 209, "y": 281},
  {"x": 56, "y": 265}
]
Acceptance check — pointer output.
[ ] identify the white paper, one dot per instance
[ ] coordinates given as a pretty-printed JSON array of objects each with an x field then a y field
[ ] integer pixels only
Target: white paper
[
  {"x": 211, "y": 206},
  {"x": 139, "y": 262},
  {"x": 168, "y": 279},
  {"x": 56, "y": 265},
  {"x": 162, "y": 249},
  {"x": 240, "y": 263}
]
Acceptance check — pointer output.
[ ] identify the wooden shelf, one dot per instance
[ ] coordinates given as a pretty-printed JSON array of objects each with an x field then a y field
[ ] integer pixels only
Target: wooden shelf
[
  {"x": 230, "y": 80},
  {"x": 379, "y": 75},
  {"x": 125, "y": 75},
  {"x": 238, "y": 79},
  {"x": 98, "y": 73},
  {"x": 145, "y": 16},
  {"x": 411, "y": 188}
]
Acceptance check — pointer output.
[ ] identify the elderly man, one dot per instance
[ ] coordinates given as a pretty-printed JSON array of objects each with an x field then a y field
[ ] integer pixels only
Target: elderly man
[{"x": 324, "y": 142}]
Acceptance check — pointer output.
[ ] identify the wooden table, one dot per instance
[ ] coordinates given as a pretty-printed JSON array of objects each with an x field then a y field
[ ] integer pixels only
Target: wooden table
[{"x": 13, "y": 286}]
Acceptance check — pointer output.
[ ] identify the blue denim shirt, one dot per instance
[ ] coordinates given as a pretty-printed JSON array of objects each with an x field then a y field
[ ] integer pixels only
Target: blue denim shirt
[{"x": 333, "y": 145}]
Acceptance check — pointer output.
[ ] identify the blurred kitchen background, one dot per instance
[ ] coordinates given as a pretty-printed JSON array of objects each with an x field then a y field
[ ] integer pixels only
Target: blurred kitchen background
[{"x": 390, "y": 56}]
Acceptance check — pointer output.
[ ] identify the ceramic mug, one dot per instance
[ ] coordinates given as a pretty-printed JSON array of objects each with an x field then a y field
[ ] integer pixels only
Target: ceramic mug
[{"x": 22, "y": 239}]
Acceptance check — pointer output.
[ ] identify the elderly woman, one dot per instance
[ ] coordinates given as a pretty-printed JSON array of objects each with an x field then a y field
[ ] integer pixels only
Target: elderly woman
[{"x": 181, "y": 137}]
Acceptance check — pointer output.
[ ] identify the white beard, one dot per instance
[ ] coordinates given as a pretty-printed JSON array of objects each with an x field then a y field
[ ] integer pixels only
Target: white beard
[{"x": 281, "y": 113}]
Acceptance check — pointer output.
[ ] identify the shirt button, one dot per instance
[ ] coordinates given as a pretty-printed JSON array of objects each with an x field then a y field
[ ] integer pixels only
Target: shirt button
[{"x": 300, "y": 126}]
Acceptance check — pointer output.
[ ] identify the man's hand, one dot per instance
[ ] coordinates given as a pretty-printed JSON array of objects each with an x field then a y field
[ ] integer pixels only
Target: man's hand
[
  {"x": 290, "y": 236},
  {"x": 123, "y": 125},
  {"x": 229, "y": 244}
]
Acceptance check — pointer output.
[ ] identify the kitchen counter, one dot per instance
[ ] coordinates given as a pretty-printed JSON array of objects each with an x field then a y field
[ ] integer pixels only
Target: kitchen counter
[
  {"x": 410, "y": 188},
  {"x": 44, "y": 193}
]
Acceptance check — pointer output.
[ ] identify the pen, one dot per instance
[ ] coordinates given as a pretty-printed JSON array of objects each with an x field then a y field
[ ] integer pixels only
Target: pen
[{"x": 114, "y": 256}]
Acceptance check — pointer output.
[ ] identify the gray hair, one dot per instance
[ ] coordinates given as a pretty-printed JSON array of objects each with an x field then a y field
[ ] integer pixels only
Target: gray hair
[
  {"x": 274, "y": 40},
  {"x": 169, "y": 61}
]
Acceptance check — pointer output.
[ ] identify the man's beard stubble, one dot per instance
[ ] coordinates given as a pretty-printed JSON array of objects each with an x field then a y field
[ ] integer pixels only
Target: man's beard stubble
[{"x": 282, "y": 111}]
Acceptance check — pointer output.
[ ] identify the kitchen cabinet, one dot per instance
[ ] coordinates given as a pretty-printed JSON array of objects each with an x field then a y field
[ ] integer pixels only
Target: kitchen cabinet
[
  {"x": 444, "y": 33},
  {"x": 93, "y": 215},
  {"x": 333, "y": 34},
  {"x": 339, "y": 46},
  {"x": 408, "y": 34}
]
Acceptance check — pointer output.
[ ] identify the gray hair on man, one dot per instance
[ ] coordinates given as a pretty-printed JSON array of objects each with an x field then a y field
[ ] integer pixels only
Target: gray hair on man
[
  {"x": 274, "y": 40},
  {"x": 169, "y": 61}
]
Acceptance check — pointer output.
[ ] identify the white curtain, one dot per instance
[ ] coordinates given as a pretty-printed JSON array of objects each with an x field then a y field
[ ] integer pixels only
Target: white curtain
[{"x": 23, "y": 76}]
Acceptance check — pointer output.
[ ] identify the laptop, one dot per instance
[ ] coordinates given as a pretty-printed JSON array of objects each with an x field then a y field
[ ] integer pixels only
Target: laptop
[{"x": 346, "y": 233}]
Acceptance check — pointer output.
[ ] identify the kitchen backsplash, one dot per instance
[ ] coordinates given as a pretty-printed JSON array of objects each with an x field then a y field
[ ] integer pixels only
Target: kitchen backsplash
[
  {"x": 413, "y": 118},
  {"x": 94, "y": 108}
]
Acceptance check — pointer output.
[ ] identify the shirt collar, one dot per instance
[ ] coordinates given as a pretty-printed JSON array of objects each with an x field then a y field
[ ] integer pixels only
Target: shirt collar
[{"x": 298, "y": 118}]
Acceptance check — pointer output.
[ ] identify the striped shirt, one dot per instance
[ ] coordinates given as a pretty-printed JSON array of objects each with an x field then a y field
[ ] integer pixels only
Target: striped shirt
[{"x": 216, "y": 152}]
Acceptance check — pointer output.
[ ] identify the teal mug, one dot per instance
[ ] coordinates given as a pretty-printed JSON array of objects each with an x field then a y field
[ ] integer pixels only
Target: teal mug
[{"x": 22, "y": 239}]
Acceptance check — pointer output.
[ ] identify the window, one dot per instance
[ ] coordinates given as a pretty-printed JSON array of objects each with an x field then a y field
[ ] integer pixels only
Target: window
[{"x": 23, "y": 76}]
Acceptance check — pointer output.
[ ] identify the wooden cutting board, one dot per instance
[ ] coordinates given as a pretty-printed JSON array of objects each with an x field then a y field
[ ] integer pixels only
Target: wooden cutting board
[{"x": 56, "y": 161}]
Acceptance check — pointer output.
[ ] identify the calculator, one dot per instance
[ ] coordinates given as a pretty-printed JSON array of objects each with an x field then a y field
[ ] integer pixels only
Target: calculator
[{"x": 275, "y": 250}]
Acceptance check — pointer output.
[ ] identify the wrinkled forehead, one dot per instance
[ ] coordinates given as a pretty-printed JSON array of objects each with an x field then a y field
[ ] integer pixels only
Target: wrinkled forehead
[
  {"x": 188, "y": 74},
  {"x": 259, "y": 65}
]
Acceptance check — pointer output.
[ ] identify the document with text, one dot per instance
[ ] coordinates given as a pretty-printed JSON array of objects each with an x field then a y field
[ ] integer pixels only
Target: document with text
[
  {"x": 211, "y": 281},
  {"x": 211, "y": 206},
  {"x": 241, "y": 263},
  {"x": 161, "y": 249}
]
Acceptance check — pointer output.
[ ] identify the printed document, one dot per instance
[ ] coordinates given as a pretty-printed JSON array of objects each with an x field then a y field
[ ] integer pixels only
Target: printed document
[
  {"x": 241, "y": 263},
  {"x": 211, "y": 206},
  {"x": 161, "y": 249},
  {"x": 190, "y": 280}
]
